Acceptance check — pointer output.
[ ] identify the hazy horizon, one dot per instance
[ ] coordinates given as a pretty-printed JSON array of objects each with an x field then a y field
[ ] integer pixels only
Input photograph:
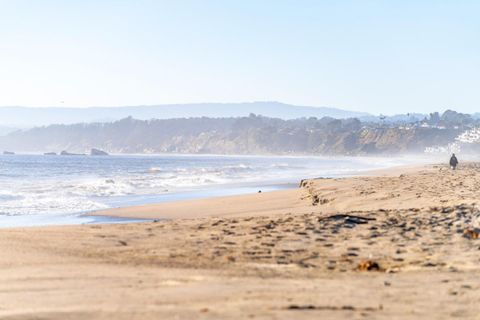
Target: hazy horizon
[{"x": 181, "y": 104}]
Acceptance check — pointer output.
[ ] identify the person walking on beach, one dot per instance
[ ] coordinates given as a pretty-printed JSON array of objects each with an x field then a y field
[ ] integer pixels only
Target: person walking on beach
[{"x": 453, "y": 161}]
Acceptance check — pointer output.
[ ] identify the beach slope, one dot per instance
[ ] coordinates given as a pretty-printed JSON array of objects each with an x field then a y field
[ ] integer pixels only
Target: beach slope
[{"x": 399, "y": 245}]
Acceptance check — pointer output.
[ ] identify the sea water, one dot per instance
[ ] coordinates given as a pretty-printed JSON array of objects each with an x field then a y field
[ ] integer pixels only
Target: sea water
[{"x": 48, "y": 190}]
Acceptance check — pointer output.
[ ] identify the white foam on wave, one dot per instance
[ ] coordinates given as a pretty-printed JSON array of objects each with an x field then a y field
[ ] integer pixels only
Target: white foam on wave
[
  {"x": 34, "y": 204},
  {"x": 82, "y": 192},
  {"x": 101, "y": 187}
]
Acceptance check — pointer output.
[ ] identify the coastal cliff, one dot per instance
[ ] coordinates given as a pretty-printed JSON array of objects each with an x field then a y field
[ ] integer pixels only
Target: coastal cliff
[{"x": 244, "y": 135}]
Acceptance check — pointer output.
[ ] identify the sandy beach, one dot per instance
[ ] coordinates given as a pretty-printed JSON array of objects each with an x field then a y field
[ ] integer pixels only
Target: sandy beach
[{"x": 400, "y": 244}]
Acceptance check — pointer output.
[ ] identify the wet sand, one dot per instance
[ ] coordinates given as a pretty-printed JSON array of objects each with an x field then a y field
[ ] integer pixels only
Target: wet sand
[{"x": 396, "y": 245}]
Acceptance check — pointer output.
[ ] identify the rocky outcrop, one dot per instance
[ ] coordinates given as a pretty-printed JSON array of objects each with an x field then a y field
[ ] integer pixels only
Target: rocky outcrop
[
  {"x": 98, "y": 152},
  {"x": 65, "y": 153}
]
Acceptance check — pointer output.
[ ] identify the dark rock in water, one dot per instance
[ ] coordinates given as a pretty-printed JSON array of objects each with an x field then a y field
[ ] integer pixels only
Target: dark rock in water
[
  {"x": 97, "y": 152},
  {"x": 65, "y": 153},
  {"x": 8, "y": 152},
  {"x": 50, "y": 154}
]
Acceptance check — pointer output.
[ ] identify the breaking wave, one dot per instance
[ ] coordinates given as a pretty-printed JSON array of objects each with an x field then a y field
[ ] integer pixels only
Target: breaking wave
[{"x": 54, "y": 185}]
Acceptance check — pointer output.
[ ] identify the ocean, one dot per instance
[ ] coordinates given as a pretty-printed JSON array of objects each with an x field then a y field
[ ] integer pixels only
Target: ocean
[{"x": 52, "y": 190}]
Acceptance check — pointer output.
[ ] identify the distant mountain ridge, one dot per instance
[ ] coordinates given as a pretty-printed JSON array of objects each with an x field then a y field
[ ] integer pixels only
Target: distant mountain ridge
[{"x": 31, "y": 117}]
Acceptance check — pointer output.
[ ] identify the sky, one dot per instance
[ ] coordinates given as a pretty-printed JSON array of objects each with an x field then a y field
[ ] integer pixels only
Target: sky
[{"x": 375, "y": 56}]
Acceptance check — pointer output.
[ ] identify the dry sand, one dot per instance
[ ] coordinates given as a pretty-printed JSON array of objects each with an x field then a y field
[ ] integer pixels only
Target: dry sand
[{"x": 295, "y": 254}]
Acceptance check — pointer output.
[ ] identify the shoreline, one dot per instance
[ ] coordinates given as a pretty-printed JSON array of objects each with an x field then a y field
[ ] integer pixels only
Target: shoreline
[
  {"x": 128, "y": 182},
  {"x": 272, "y": 202},
  {"x": 220, "y": 206}
]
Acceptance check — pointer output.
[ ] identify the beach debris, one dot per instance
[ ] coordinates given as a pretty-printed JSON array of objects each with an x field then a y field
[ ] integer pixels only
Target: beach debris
[
  {"x": 301, "y": 307},
  {"x": 312, "y": 307},
  {"x": 216, "y": 223},
  {"x": 270, "y": 225},
  {"x": 471, "y": 234},
  {"x": 368, "y": 265},
  {"x": 316, "y": 200},
  {"x": 346, "y": 220},
  {"x": 331, "y": 308},
  {"x": 304, "y": 183},
  {"x": 452, "y": 292},
  {"x": 393, "y": 270},
  {"x": 429, "y": 264},
  {"x": 123, "y": 243},
  {"x": 447, "y": 210},
  {"x": 303, "y": 262}
]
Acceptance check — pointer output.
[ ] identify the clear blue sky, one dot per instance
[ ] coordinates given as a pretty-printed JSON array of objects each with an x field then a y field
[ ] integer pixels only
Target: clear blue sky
[{"x": 375, "y": 56}]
